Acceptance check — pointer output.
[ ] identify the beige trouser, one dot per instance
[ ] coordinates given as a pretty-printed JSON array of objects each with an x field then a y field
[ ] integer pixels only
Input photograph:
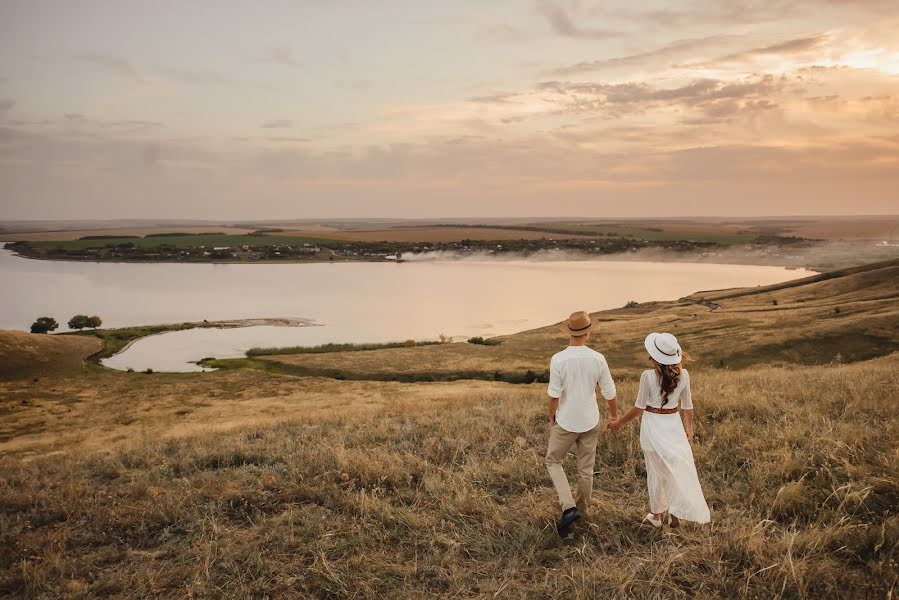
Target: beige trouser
[{"x": 560, "y": 442}]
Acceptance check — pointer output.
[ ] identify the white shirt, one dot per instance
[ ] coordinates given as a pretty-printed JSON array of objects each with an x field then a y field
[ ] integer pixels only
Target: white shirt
[
  {"x": 573, "y": 375},
  {"x": 650, "y": 393}
]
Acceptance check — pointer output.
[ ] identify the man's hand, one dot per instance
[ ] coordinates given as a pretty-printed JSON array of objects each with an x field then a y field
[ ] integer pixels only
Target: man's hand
[
  {"x": 614, "y": 424},
  {"x": 553, "y": 407}
]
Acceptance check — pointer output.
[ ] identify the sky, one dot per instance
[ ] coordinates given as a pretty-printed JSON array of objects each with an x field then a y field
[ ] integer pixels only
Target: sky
[{"x": 378, "y": 108}]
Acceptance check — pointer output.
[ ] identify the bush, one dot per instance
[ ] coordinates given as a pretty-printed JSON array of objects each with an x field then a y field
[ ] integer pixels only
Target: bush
[
  {"x": 774, "y": 301},
  {"x": 632, "y": 304},
  {"x": 409, "y": 343},
  {"x": 44, "y": 325},
  {"x": 95, "y": 321},
  {"x": 482, "y": 341}
]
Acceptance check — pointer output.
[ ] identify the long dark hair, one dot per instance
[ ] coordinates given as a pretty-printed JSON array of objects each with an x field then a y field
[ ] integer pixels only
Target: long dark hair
[{"x": 669, "y": 377}]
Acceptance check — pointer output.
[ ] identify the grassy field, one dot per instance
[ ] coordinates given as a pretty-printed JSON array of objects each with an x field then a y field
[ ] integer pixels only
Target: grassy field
[
  {"x": 659, "y": 231},
  {"x": 24, "y": 355},
  {"x": 443, "y": 492},
  {"x": 268, "y": 482}
]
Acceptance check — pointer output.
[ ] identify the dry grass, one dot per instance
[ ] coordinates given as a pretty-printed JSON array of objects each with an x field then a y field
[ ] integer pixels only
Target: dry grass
[
  {"x": 450, "y": 498},
  {"x": 249, "y": 483},
  {"x": 29, "y": 354}
]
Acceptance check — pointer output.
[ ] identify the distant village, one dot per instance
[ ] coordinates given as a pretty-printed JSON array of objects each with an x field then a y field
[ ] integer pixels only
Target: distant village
[{"x": 124, "y": 250}]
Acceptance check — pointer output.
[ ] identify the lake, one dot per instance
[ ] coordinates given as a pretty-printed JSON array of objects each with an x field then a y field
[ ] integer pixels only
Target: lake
[{"x": 348, "y": 302}]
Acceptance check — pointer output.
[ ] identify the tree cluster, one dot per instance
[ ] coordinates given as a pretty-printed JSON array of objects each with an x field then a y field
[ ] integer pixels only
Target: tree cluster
[{"x": 79, "y": 322}]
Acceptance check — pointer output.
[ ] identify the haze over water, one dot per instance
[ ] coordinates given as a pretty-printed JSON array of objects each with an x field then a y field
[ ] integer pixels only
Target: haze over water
[{"x": 360, "y": 302}]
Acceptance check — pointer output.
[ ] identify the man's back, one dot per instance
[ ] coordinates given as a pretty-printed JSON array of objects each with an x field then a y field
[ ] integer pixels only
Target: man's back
[{"x": 573, "y": 375}]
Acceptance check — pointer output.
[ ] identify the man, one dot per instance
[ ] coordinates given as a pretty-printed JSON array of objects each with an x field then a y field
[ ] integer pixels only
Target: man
[{"x": 574, "y": 415}]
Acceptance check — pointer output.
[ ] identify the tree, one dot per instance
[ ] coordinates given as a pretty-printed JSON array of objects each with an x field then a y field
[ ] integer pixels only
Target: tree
[
  {"x": 79, "y": 322},
  {"x": 44, "y": 325},
  {"x": 95, "y": 321}
]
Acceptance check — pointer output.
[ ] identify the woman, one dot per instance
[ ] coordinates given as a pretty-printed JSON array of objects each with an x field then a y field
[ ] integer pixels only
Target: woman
[{"x": 670, "y": 471}]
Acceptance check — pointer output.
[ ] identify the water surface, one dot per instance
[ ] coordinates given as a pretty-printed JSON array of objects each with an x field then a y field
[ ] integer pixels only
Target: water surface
[{"x": 349, "y": 302}]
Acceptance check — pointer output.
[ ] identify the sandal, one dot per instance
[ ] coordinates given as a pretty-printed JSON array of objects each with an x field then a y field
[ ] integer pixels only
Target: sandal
[{"x": 651, "y": 518}]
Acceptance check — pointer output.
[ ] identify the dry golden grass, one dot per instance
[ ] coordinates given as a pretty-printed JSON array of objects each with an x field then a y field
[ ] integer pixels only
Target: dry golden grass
[
  {"x": 450, "y": 498},
  {"x": 248, "y": 483},
  {"x": 101, "y": 408},
  {"x": 30, "y": 354}
]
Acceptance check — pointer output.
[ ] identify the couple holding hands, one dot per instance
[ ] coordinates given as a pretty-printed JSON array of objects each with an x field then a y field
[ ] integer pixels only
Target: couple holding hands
[{"x": 671, "y": 477}]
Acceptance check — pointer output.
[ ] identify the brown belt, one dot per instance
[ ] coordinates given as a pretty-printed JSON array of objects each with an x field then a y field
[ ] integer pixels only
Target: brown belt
[{"x": 661, "y": 411}]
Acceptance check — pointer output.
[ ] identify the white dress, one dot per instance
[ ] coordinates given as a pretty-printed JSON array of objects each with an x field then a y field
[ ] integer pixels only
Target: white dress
[{"x": 670, "y": 471}]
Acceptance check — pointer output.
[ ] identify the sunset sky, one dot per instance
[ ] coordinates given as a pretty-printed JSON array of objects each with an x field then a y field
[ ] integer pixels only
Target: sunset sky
[{"x": 374, "y": 108}]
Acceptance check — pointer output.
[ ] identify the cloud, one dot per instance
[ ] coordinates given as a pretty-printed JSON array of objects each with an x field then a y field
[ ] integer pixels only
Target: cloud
[
  {"x": 278, "y": 124},
  {"x": 287, "y": 139},
  {"x": 136, "y": 124},
  {"x": 562, "y": 23},
  {"x": 666, "y": 52},
  {"x": 501, "y": 32},
  {"x": 124, "y": 68},
  {"x": 793, "y": 47},
  {"x": 281, "y": 56},
  {"x": 616, "y": 100},
  {"x": 498, "y": 98},
  {"x": 190, "y": 75},
  {"x": 116, "y": 64}
]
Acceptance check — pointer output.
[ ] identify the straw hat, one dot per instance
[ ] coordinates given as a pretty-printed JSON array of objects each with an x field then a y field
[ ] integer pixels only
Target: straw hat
[
  {"x": 663, "y": 348},
  {"x": 578, "y": 324}
]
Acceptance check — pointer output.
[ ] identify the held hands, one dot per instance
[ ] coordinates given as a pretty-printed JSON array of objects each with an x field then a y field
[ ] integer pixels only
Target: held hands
[{"x": 614, "y": 424}]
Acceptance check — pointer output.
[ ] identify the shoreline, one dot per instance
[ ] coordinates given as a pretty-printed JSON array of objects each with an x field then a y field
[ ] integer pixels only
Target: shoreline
[{"x": 667, "y": 256}]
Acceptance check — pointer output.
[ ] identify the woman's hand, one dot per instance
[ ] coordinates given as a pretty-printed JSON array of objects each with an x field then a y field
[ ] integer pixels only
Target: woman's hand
[
  {"x": 689, "y": 435},
  {"x": 614, "y": 424}
]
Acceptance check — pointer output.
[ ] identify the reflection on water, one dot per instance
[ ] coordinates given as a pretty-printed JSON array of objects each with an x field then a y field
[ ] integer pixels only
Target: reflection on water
[{"x": 358, "y": 302}]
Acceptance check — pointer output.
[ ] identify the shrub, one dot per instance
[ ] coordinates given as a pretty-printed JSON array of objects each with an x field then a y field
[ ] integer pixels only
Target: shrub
[
  {"x": 774, "y": 301},
  {"x": 149, "y": 371},
  {"x": 836, "y": 310},
  {"x": 44, "y": 325},
  {"x": 409, "y": 343},
  {"x": 483, "y": 341},
  {"x": 95, "y": 321},
  {"x": 632, "y": 304}
]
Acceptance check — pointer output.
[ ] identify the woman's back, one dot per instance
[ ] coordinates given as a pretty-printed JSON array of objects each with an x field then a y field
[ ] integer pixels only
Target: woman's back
[{"x": 650, "y": 393}]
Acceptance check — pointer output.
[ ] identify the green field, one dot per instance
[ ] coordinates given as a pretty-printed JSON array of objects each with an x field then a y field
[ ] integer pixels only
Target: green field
[
  {"x": 185, "y": 241},
  {"x": 655, "y": 233}
]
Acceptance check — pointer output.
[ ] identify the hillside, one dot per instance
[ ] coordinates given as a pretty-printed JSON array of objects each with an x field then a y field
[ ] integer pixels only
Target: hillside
[
  {"x": 33, "y": 355},
  {"x": 257, "y": 482},
  {"x": 350, "y": 493}
]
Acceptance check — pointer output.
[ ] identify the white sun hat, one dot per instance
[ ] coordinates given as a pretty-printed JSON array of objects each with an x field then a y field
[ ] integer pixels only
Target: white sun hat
[{"x": 663, "y": 348}]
